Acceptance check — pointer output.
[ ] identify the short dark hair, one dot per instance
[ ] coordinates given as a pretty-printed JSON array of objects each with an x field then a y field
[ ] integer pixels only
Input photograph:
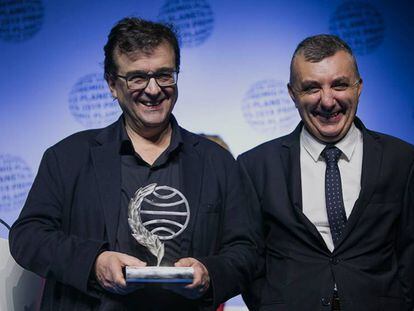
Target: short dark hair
[
  {"x": 316, "y": 48},
  {"x": 132, "y": 34}
]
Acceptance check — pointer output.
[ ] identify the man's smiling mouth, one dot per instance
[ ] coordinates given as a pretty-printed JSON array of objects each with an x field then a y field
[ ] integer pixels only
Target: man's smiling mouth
[{"x": 327, "y": 115}]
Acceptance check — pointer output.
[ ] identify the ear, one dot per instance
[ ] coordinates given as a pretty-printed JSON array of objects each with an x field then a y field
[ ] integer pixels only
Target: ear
[
  {"x": 292, "y": 94},
  {"x": 360, "y": 85},
  {"x": 111, "y": 84}
]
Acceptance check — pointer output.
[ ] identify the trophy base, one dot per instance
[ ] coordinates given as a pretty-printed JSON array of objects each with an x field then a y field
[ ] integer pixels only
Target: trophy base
[{"x": 182, "y": 275}]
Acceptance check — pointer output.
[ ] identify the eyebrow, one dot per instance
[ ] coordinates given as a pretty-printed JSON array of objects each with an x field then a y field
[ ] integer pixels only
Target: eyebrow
[
  {"x": 309, "y": 83},
  {"x": 313, "y": 83},
  {"x": 342, "y": 79},
  {"x": 142, "y": 72}
]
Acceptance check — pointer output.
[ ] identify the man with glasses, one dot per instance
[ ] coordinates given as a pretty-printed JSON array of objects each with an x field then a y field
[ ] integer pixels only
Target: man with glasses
[
  {"x": 73, "y": 229},
  {"x": 333, "y": 200}
]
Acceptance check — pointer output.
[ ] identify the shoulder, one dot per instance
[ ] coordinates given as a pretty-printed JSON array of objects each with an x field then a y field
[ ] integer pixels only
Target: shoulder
[
  {"x": 393, "y": 145},
  {"x": 70, "y": 154},
  {"x": 269, "y": 149},
  {"x": 215, "y": 160},
  {"x": 75, "y": 149},
  {"x": 205, "y": 146},
  {"x": 76, "y": 141}
]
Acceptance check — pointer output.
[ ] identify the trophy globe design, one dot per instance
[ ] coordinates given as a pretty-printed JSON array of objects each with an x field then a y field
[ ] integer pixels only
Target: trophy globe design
[{"x": 156, "y": 214}]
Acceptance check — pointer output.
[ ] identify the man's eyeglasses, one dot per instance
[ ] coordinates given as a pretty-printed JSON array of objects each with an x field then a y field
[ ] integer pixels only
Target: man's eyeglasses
[{"x": 139, "y": 81}]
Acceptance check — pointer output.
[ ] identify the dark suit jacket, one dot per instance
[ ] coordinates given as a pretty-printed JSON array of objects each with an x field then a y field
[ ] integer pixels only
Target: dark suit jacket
[
  {"x": 374, "y": 262},
  {"x": 71, "y": 214}
]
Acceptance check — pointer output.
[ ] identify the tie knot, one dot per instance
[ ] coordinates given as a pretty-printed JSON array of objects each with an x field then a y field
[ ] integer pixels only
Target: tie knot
[{"x": 331, "y": 154}]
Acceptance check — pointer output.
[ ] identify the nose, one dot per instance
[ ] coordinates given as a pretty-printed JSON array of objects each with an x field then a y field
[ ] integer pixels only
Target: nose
[
  {"x": 327, "y": 99},
  {"x": 153, "y": 89}
]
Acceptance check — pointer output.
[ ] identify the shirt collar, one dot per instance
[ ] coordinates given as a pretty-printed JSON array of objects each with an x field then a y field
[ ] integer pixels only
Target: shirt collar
[
  {"x": 346, "y": 145},
  {"x": 175, "y": 143},
  {"x": 126, "y": 144},
  {"x": 176, "y": 137}
]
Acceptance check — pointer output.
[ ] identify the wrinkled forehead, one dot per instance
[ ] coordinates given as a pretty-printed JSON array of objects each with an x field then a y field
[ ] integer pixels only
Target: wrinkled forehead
[{"x": 339, "y": 64}]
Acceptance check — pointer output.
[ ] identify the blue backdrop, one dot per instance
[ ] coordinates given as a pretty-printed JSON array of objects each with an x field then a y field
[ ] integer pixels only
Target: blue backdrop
[{"x": 235, "y": 66}]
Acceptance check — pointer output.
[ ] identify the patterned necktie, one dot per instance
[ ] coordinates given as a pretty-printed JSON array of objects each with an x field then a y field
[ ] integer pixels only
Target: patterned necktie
[{"x": 333, "y": 193}]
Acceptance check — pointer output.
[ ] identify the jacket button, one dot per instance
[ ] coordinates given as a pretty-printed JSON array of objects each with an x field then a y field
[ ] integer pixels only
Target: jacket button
[
  {"x": 325, "y": 301},
  {"x": 334, "y": 260}
]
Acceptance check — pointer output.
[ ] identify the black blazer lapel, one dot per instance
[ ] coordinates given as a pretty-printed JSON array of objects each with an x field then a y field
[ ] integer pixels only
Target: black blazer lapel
[
  {"x": 192, "y": 169},
  {"x": 290, "y": 157},
  {"x": 107, "y": 165},
  {"x": 371, "y": 166}
]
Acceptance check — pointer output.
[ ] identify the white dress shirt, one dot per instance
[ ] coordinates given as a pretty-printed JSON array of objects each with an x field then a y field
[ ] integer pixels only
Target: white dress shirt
[{"x": 313, "y": 177}]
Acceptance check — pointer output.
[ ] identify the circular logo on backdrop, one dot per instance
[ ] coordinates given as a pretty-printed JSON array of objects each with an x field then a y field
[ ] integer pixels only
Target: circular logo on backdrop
[
  {"x": 359, "y": 24},
  {"x": 193, "y": 20},
  {"x": 268, "y": 108},
  {"x": 15, "y": 181},
  {"x": 20, "y": 20},
  {"x": 91, "y": 103}
]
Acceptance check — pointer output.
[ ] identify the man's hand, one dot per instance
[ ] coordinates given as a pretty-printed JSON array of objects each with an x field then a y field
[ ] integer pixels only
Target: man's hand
[
  {"x": 201, "y": 278},
  {"x": 108, "y": 271},
  {"x": 200, "y": 283}
]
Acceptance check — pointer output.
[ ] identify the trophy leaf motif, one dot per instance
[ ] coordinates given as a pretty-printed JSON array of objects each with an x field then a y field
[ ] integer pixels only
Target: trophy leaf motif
[{"x": 139, "y": 232}]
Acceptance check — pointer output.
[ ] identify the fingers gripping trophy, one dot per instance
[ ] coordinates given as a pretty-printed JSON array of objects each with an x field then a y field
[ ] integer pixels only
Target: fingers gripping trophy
[{"x": 151, "y": 233}]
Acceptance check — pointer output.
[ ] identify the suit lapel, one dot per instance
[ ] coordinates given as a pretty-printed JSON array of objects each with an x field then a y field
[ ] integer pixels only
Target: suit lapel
[
  {"x": 291, "y": 164},
  {"x": 290, "y": 157},
  {"x": 107, "y": 165},
  {"x": 371, "y": 166},
  {"x": 192, "y": 168}
]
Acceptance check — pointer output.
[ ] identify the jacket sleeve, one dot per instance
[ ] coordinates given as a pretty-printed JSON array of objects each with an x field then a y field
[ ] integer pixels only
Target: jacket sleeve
[
  {"x": 405, "y": 245},
  {"x": 232, "y": 268},
  {"x": 39, "y": 239},
  {"x": 252, "y": 293}
]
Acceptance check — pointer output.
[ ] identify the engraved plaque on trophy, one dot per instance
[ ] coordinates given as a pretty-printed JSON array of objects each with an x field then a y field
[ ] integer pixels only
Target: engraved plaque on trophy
[{"x": 161, "y": 224}]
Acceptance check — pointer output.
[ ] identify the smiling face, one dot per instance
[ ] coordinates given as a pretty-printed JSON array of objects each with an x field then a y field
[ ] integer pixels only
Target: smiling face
[
  {"x": 149, "y": 108},
  {"x": 326, "y": 94}
]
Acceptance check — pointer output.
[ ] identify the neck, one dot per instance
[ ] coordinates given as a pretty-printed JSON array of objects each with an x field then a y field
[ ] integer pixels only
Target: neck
[
  {"x": 154, "y": 135},
  {"x": 149, "y": 143}
]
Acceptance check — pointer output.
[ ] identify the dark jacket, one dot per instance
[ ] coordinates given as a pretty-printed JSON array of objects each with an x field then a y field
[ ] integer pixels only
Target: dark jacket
[
  {"x": 373, "y": 265},
  {"x": 72, "y": 210}
]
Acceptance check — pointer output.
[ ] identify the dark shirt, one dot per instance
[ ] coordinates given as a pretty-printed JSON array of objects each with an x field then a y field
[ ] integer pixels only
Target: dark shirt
[{"x": 136, "y": 173}]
